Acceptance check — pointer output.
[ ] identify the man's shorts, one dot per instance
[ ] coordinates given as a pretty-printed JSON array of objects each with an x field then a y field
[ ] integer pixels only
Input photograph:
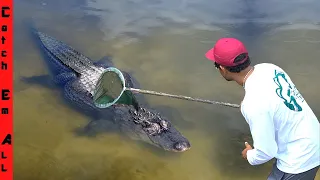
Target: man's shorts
[{"x": 276, "y": 174}]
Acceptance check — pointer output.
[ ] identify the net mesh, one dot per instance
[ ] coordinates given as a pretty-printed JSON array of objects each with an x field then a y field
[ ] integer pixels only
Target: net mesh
[{"x": 110, "y": 89}]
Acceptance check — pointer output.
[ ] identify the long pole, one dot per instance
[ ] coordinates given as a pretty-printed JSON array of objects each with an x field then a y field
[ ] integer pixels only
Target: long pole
[{"x": 182, "y": 97}]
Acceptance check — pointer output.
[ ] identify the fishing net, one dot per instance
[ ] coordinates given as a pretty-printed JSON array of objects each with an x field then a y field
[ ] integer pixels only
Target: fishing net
[{"x": 110, "y": 89}]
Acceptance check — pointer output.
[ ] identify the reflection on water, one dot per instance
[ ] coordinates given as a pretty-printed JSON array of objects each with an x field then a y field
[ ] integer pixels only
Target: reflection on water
[{"x": 166, "y": 58}]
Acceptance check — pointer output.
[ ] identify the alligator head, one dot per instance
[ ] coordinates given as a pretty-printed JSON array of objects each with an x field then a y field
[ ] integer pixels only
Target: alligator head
[{"x": 151, "y": 127}]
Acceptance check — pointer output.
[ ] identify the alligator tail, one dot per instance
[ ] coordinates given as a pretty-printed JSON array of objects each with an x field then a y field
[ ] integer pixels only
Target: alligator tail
[{"x": 61, "y": 51}]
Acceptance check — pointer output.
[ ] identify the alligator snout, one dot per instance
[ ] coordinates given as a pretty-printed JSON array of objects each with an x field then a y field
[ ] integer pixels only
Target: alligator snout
[{"x": 181, "y": 146}]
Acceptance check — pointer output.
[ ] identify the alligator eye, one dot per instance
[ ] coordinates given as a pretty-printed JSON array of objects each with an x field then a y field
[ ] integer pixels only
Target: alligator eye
[
  {"x": 145, "y": 124},
  {"x": 164, "y": 124},
  {"x": 153, "y": 129}
]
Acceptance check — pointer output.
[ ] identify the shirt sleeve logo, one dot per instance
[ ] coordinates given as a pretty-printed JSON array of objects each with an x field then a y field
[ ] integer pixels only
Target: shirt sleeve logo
[{"x": 288, "y": 92}]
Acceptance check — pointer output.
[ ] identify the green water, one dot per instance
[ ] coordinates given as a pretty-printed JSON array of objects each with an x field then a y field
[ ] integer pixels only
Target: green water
[{"x": 47, "y": 149}]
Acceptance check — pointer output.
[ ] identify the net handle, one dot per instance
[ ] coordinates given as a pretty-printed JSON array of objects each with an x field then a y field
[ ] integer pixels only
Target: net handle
[{"x": 182, "y": 97}]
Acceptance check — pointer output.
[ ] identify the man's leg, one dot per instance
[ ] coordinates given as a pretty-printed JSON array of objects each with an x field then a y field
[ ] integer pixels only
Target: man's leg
[
  {"x": 275, "y": 173},
  {"x": 308, "y": 175}
]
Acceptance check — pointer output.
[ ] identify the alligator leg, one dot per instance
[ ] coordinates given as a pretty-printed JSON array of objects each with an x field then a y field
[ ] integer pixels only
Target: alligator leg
[
  {"x": 104, "y": 62},
  {"x": 43, "y": 80},
  {"x": 79, "y": 99},
  {"x": 95, "y": 127},
  {"x": 63, "y": 78}
]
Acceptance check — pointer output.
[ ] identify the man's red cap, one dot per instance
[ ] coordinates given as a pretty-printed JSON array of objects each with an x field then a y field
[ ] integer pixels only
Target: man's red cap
[{"x": 226, "y": 50}]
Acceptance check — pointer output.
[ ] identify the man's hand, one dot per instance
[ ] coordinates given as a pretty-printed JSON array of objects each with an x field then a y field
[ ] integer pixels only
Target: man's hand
[{"x": 244, "y": 152}]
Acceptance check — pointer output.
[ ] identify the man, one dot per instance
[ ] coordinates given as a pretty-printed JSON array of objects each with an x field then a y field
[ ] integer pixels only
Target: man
[{"x": 282, "y": 124}]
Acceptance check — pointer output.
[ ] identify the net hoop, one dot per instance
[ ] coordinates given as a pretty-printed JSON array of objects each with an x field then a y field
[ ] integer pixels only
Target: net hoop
[{"x": 119, "y": 73}]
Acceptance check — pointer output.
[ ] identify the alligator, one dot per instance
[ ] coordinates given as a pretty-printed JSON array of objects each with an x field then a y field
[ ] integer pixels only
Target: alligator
[{"x": 76, "y": 76}]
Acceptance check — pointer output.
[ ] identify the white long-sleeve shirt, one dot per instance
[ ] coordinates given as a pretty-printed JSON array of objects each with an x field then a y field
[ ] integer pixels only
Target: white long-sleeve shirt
[{"x": 282, "y": 124}]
